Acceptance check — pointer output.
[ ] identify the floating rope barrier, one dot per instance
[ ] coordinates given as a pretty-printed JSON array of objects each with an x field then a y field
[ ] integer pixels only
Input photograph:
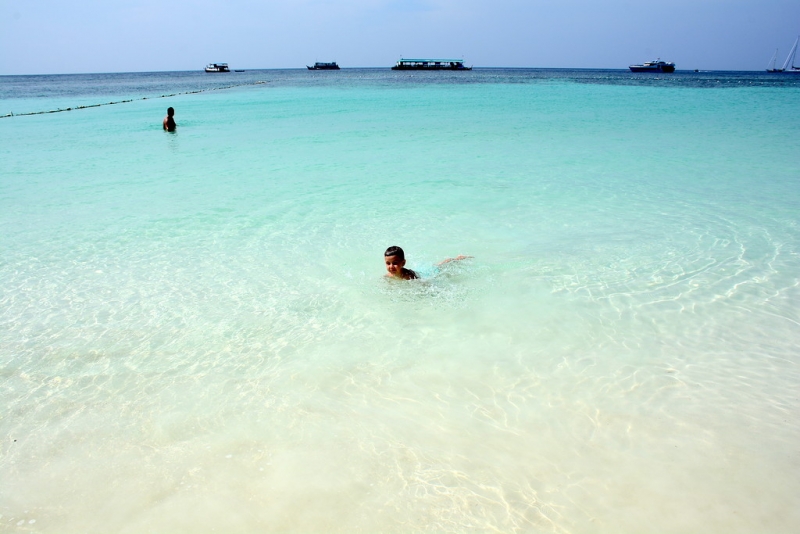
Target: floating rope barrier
[{"x": 59, "y": 110}]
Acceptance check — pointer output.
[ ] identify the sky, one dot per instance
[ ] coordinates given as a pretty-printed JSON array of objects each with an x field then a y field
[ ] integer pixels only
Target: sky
[{"x": 78, "y": 36}]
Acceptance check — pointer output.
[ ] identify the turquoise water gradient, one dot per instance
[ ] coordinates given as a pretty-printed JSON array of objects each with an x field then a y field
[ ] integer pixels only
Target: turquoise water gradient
[{"x": 196, "y": 335}]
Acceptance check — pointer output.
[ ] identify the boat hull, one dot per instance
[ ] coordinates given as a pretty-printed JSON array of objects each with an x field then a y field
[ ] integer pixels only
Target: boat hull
[
  {"x": 217, "y": 67},
  {"x": 658, "y": 68},
  {"x": 323, "y": 66}
]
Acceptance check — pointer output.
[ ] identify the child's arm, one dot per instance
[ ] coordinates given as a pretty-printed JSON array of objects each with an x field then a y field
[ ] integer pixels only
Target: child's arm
[{"x": 457, "y": 258}]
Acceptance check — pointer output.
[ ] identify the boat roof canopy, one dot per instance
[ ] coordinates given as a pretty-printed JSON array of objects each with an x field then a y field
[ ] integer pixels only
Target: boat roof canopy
[{"x": 434, "y": 60}]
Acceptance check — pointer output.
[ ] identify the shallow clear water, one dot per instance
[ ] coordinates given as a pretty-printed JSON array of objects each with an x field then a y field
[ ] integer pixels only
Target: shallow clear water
[{"x": 196, "y": 336}]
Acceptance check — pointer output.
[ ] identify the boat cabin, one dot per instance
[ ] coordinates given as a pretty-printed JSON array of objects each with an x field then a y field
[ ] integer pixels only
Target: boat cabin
[
  {"x": 217, "y": 67},
  {"x": 319, "y": 65},
  {"x": 430, "y": 64}
]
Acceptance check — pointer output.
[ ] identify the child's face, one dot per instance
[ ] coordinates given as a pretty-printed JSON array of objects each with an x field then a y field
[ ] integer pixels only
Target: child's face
[{"x": 394, "y": 266}]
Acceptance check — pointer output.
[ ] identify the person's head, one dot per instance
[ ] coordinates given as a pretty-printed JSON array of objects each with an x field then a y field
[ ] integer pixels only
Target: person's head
[
  {"x": 170, "y": 112},
  {"x": 395, "y": 260}
]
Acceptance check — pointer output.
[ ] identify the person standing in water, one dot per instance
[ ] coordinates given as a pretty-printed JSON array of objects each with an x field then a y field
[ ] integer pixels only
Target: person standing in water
[
  {"x": 169, "y": 120},
  {"x": 395, "y": 260}
]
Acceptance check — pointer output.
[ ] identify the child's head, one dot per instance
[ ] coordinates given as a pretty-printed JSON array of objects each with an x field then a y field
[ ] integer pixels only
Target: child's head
[
  {"x": 395, "y": 251},
  {"x": 170, "y": 112},
  {"x": 395, "y": 260}
]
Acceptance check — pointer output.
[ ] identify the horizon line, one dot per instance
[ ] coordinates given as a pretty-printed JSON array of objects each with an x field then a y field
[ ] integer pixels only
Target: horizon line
[{"x": 304, "y": 67}]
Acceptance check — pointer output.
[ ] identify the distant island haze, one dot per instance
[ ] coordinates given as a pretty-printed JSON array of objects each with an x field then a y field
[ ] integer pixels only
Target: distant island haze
[{"x": 141, "y": 36}]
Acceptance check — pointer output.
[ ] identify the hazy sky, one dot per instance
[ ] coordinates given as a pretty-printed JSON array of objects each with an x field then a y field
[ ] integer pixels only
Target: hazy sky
[{"x": 61, "y": 36}]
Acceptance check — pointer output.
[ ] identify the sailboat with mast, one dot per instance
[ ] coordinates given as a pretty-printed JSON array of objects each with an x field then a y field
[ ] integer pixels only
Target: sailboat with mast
[
  {"x": 788, "y": 65},
  {"x": 771, "y": 64}
]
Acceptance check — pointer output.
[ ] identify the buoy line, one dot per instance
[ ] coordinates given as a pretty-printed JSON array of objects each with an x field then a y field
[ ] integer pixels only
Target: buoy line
[{"x": 59, "y": 110}]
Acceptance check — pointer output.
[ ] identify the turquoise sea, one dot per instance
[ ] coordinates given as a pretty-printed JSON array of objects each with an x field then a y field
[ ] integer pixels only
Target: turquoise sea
[{"x": 196, "y": 334}]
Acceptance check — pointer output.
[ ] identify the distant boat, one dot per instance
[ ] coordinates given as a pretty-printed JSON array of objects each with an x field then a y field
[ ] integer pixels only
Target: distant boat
[
  {"x": 430, "y": 64},
  {"x": 324, "y": 66},
  {"x": 654, "y": 66},
  {"x": 217, "y": 67},
  {"x": 788, "y": 65},
  {"x": 771, "y": 64}
]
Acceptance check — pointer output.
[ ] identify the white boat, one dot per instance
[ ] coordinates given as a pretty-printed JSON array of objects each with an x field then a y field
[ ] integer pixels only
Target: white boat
[
  {"x": 654, "y": 66},
  {"x": 788, "y": 66},
  {"x": 217, "y": 67}
]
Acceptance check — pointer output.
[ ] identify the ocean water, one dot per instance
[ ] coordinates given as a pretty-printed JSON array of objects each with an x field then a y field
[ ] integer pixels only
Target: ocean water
[{"x": 196, "y": 334}]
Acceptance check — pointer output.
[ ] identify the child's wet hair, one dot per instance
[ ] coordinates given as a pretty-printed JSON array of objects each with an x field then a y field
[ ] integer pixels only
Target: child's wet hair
[{"x": 395, "y": 251}]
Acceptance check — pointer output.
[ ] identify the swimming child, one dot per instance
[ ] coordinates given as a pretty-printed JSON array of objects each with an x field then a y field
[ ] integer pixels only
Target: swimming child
[
  {"x": 169, "y": 120},
  {"x": 395, "y": 260}
]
